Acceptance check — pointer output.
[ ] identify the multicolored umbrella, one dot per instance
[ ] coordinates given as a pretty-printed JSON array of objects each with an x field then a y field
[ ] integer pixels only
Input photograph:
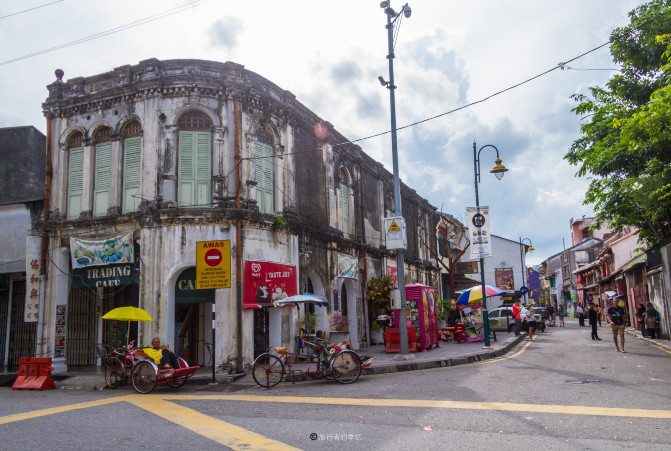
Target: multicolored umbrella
[{"x": 474, "y": 295}]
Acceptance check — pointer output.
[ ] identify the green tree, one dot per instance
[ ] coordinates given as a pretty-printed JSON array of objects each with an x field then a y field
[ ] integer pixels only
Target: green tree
[{"x": 625, "y": 147}]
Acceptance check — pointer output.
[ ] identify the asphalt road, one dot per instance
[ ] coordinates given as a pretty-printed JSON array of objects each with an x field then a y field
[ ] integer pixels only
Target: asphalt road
[{"x": 536, "y": 397}]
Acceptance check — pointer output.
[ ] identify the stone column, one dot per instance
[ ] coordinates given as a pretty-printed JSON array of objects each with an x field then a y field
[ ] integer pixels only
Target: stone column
[
  {"x": 168, "y": 167},
  {"x": 116, "y": 184}
]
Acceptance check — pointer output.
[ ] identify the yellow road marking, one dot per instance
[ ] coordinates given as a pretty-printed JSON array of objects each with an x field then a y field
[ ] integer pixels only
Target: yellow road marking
[
  {"x": 222, "y": 432},
  {"x": 499, "y": 359},
  {"x": 60, "y": 409},
  {"x": 431, "y": 404},
  {"x": 661, "y": 349}
]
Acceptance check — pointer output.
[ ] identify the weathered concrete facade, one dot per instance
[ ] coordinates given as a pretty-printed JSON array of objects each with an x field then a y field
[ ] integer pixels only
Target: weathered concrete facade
[{"x": 310, "y": 200}]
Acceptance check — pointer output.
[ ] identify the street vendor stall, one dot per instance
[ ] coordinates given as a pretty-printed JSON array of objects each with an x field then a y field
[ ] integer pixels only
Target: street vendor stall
[{"x": 470, "y": 309}]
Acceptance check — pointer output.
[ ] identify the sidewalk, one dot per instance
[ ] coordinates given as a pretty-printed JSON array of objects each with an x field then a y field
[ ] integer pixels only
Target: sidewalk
[
  {"x": 447, "y": 354},
  {"x": 666, "y": 344}
]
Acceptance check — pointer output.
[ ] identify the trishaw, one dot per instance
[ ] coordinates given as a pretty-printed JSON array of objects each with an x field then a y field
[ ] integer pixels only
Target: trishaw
[
  {"x": 129, "y": 362},
  {"x": 126, "y": 363},
  {"x": 327, "y": 361}
]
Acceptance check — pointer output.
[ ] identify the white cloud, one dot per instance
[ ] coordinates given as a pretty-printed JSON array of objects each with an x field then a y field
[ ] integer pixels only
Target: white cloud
[{"x": 447, "y": 54}]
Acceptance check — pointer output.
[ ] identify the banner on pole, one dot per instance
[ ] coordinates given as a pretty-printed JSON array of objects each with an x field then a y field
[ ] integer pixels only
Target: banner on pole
[{"x": 478, "y": 231}]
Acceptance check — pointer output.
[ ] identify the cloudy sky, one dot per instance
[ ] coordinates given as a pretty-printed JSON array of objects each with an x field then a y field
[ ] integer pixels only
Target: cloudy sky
[{"x": 448, "y": 54}]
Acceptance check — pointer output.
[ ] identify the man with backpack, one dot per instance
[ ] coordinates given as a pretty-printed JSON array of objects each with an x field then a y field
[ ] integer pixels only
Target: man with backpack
[{"x": 616, "y": 316}]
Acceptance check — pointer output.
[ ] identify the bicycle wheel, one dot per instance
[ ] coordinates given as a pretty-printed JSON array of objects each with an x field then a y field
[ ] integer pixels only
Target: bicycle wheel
[
  {"x": 114, "y": 372},
  {"x": 177, "y": 382},
  {"x": 143, "y": 377},
  {"x": 346, "y": 367},
  {"x": 268, "y": 370}
]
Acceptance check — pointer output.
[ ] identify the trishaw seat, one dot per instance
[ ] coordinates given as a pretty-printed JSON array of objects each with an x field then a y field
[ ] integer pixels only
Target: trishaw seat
[{"x": 280, "y": 349}]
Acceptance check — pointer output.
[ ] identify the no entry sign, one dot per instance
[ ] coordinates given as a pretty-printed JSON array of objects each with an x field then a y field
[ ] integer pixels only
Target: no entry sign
[{"x": 213, "y": 264}]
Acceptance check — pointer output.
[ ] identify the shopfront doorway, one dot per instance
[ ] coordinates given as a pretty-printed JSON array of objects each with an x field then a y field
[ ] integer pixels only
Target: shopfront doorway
[
  {"x": 17, "y": 337},
  {"x": 193, "y": 320}
]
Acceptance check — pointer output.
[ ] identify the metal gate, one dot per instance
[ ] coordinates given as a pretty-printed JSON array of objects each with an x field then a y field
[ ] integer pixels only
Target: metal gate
[
  {"x": 4, "y": 315},
  {"x": 81, "y": 328},
  {"x": 22, "y": 335}
]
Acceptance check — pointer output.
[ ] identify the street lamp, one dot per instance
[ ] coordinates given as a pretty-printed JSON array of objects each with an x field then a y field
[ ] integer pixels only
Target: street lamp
[
  {"x": 498, "y": 170},
  {"x": 523, "y": 251},
  {"x": 392, "y": 17}
]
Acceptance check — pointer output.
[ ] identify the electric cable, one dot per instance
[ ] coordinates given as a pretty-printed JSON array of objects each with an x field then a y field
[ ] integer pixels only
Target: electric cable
[
  {"x": 136, "y": 23},
  {"x": 29, "y": 9}
]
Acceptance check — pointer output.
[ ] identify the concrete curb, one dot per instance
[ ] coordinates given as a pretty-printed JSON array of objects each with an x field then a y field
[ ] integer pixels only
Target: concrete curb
[
  {"x": 95, "y": 382},
  {"x": 442, "y": 363}
]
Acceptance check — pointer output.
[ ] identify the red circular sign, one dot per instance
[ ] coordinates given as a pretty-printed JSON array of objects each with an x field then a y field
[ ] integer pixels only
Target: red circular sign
[{"x": 213, "y": 257}]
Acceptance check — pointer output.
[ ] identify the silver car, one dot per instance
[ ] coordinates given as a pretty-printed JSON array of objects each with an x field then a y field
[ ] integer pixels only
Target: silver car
[{"x": 501, "y": 318}]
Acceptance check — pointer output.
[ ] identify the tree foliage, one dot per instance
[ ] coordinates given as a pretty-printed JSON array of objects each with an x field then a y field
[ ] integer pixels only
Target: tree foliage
[{"x": 625, "y": 147}]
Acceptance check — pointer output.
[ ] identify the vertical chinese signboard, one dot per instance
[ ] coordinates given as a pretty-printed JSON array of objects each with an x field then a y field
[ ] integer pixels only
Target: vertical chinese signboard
[{"x": 31, "y": 308}]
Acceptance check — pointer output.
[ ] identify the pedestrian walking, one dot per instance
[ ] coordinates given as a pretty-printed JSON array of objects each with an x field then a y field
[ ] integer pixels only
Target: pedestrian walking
[
  {"x": 640, "y": 312},
  {"x": 531, "y": 322},
  {"x": 517, "y": 311},
  {"x": 551, "y": 312},
  {"x": 592, "y": 315},
  {"x": 598, "y": 314},
  {"x": 562, "y": 314},
  {"x": 616, "y": 318},
  {"x": 650, "y": 320},
  {"x": 581, "y": 315}
]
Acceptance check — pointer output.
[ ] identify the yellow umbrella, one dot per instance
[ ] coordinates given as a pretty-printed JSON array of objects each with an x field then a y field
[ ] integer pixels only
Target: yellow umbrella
[{"x": 129, "y": 314}]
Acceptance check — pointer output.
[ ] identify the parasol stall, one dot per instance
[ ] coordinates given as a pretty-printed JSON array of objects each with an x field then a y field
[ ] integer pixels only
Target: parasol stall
[
  {"x": 470, "y": 308},
  {"x": 128, "y": 314}
]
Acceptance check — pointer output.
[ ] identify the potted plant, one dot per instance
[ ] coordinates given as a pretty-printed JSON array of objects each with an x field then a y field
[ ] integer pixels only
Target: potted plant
[
  {"x": 339, "y": 327},
  {"x": 379, "y": 302},
  {"x": 309, "y": 322}
]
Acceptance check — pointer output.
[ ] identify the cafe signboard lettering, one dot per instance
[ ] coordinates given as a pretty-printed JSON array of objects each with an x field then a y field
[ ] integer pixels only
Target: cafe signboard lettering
[{"x": 105, "y": 276}]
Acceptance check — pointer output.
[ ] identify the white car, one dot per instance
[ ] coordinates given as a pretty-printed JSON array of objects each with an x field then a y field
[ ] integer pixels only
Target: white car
[{"x": 501, "y": 318}]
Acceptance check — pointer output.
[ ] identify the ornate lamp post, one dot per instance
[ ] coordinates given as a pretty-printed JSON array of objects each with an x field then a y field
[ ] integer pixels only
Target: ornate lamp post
[
  {"x": 523, "y": 251},
  {"x": 498, "y": 171}
]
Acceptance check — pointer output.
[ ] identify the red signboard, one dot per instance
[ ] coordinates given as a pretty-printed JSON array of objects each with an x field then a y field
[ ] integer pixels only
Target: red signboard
[{"x": 267, "y": 282}]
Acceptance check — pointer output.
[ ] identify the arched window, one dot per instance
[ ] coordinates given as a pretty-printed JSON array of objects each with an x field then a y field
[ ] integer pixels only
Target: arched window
[
  {"x": 263, "y": 168},
  {"x": 132, "y": 169},
  {"x": 102, "y": 182},
  {"x": 75, "y": 174},
  {"x": 194, "y": 172},
  {"x": 343, "y": 202}
]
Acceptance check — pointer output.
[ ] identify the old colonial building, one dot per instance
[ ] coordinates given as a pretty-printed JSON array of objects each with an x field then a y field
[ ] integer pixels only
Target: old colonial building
[{"x": 152, "y": 159}]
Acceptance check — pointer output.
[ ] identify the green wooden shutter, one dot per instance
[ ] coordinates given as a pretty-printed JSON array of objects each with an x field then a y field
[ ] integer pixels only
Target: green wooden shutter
[
  {"x": 103, "y": 179},
  {"x": 203, "y": 171},
  {"x": 194, "y": 173},
  {"x": 132, "y": 148},
  {"x": 185, "y": 175},
  {"x": 75, "y": 182},
  {"x": 263, "y": 164},
  {"x": 343, "y": 204}
]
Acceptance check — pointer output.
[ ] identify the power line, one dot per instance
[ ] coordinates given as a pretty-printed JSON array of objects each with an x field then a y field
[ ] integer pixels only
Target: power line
[
  {"x": 561, "y": 66},
  {"x": 30, "y": 9},
  {"x": 136, "y": 23}
]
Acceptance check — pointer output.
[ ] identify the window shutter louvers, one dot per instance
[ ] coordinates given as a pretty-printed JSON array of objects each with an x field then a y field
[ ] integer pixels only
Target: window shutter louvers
[
  {"x": 103, "y": 179},
  {"x": 263, "y": 166},
  {"x": 75, "y": 181},
  {"x": 194, "y": 172},
  {"x": 131, "y": 173},
  {"x": 344, "y": 209}
]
